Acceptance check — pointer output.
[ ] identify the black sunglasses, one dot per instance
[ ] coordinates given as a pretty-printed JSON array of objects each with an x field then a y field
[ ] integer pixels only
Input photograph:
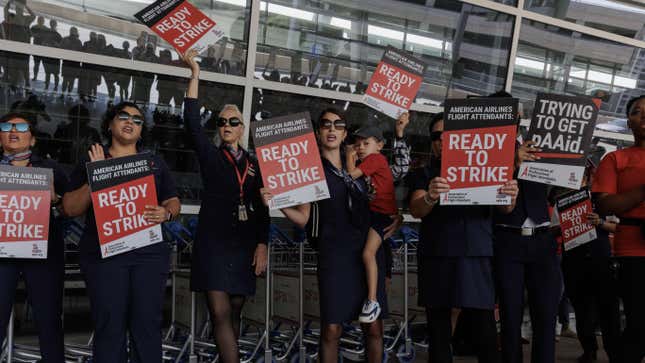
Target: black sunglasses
[
  {"x": 20, "y": 127},
  {"x": 124, "y": 116},
  {"x": 339, "y": 124},
  {"x": 436, "y": 135},
  {"x": 233, "y": 121}
]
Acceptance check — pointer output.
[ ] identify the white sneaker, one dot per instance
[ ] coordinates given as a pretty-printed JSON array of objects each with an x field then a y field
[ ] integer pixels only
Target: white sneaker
[{"x": 371, "y": 312}]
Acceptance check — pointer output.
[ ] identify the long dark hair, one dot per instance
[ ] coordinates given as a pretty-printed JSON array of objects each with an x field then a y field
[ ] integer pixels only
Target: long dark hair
[{"x": 111, "y": 113}]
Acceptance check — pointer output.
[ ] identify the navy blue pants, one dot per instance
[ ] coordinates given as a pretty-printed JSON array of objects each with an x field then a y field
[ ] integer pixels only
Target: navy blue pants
[
  {"x": 126, "y": 295},
  {"x": 529, "y": 263},
  {"x": 44, "y": 283}
]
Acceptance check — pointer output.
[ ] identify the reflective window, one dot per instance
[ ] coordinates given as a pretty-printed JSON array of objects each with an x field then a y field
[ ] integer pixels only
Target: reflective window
[
  {"x": 336, "y": 45},
  {"x": 109, "y": 28},
  {"x": 619, "y": 17},
  {"x": 550, "y": 59},
  {"x": 67, "y": 123}
]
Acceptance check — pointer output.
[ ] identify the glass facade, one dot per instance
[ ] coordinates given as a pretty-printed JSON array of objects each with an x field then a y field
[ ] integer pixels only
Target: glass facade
[
  {"x": 308, "y": 54},
  {"x": 618, "y": 17},
  {"x": 336, "y": 46}
]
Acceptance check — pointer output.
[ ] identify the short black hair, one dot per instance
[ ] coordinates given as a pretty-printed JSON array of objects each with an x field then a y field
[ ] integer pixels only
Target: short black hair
[
  {"x": 500, "y": 94},
  {"x": 111, "y": 113},
  {"x": 433, "y": 121},
  {"x": 631, "y": 103},
  {"x": 14, "y": 115},
  {"x": 333, "y": 110}
]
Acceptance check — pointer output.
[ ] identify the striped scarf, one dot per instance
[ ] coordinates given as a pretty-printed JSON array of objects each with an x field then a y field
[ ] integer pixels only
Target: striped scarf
[{"x": 7, "y": 159}]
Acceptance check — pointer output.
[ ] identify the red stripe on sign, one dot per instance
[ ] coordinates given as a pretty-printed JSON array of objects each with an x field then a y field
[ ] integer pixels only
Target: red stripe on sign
[{"x": 558, "y": 156}]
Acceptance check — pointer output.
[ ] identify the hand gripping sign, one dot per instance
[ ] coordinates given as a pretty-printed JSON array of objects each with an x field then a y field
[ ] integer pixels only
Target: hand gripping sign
[
  {"x": 180, "y": 24},
  {"x": 395, "y": 83},
  {"x": 289, "y": 160},
  {"x": 25, "y": 205},
  {"x": 121, "y": 189},
  {"x": 478, "y": 149},
  {"x": 562, "y": 126},
  {"x": 573, "y": 209}
]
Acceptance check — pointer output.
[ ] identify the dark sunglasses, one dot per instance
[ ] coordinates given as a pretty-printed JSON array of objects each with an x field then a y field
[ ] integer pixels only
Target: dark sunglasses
[
  {"x": 20, "y": 127},
  {"x": 233, "y": 121},
  {"x": 124, "y": 116},
  {"x": 436, "y": 135},
  {"x": 339, "y": 124}
]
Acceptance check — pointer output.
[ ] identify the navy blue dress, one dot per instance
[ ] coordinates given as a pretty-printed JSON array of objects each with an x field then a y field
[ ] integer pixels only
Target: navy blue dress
[
  {"x": 224, "y": 246},
  {"x": 43, "y": 279},
  {"x": 455, "y": 253},
  {"x": 343, "y": 232},
  {"x": 126, "y": 291}
]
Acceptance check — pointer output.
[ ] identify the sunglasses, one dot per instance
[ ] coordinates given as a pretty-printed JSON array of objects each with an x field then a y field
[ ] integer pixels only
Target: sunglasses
[
  {"x": 124, "y": 116},
  {"x": 339, "y": 124},
  {"x": 20, "y": 127},
  {"x": 436, "y": 135},
  {"x": 233, "y": 121}
]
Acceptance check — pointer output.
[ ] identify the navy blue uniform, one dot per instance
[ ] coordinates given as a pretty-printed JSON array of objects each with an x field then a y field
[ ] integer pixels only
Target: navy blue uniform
[
  {"x": 529, "y": 262},
  {"x": 343, "y": 227},
  {"x": 126, "y": 291},
  {"x": 43, "y": 280},
  {"x": 455, "y": 271},
  {"x": 224, "y": 246}
]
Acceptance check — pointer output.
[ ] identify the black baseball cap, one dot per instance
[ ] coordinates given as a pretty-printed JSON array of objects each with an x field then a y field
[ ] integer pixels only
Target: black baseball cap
[{"x": 369, "y": 131}]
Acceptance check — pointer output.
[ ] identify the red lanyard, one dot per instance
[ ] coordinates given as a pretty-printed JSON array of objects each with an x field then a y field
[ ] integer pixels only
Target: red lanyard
[{"x": 240, "y": 178}]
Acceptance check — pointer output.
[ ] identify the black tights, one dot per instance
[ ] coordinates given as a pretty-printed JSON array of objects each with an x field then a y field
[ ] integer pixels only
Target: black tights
[
  {"x": 225, "y": 311},
  {"x": 330, "y": 336}
]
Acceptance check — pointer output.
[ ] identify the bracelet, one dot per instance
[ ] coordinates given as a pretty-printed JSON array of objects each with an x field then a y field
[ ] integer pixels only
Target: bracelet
[{"x": 430, "y": 202}]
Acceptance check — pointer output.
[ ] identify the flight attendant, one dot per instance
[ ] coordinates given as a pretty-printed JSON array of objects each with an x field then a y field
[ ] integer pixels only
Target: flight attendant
[
  {"x": 342, "y": 223},
  {"x": 620, "y": 190},
  {"x": 43, "y": 278},
  {"x": 456, "y": 250},
  {"x": 126, "y": 291},
  {"x": 231, "y": 243}
]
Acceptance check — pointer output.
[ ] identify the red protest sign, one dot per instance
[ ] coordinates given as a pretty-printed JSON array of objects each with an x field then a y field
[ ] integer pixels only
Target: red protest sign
[
  {"x": 180, "y": 24},
  {"x": 573, "y": 209},
  {"x": 395, "y": 83},
  {"x": 289, "y": 160},
  {"x": 478, "y": 150},
  {"x": 121, "y": 189},
  {"x": 25, "y": 201}
]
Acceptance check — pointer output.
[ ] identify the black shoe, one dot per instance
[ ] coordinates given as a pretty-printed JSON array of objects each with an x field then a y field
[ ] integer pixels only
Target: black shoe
[{"x": 588, "y": 358}]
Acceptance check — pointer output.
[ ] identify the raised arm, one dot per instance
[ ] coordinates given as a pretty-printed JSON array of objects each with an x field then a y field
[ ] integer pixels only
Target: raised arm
[
  {"x": 192, "y": 117},
  {"x": 78, "y": 201}
]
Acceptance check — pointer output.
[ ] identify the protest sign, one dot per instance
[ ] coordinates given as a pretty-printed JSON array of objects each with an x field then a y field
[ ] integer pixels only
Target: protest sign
[
  {"x": 289, "y": 160},
  {"x": 562, "y": 126},
  {"x": 478, "y": 149},
  {"x": 25, "y": 205},
  {"x": 121, "y": 189},
  {"x": 395, "y": 83},
  {"x": 180, "y": 24},
  {"x": 573, "y": 209}
]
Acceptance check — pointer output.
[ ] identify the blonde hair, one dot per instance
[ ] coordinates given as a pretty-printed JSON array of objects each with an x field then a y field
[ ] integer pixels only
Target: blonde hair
[{"x": 234, "y": 109}]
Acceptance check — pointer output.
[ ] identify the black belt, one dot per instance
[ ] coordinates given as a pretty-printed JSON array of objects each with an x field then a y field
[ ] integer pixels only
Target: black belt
[
  {"x": 524, "y": 231},
  {"x": 632, "y": 221}
]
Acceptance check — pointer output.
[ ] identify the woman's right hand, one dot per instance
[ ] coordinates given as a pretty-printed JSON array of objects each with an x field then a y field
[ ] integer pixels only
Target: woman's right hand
[
  {"x": 438, "y": 186},
  {"x": 96, "y": 153},
  {"x": 189, "y": 58},
  {"x": 266, "y": 196},
  {"x": 527, "y": 152}
]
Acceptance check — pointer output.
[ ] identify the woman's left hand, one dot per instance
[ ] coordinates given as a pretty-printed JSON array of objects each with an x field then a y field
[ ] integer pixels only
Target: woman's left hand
[
  {"x": 392, "y": 228},
  {"x": 510, "y": 188},
  {"x": 155, "y": 214},
  {"x": 260, "y": 259},
  {"x": 594, "y": 219}
]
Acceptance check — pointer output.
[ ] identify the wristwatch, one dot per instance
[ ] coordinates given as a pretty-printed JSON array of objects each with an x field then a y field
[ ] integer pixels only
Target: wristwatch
[{"x": 429, "y": 201}]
